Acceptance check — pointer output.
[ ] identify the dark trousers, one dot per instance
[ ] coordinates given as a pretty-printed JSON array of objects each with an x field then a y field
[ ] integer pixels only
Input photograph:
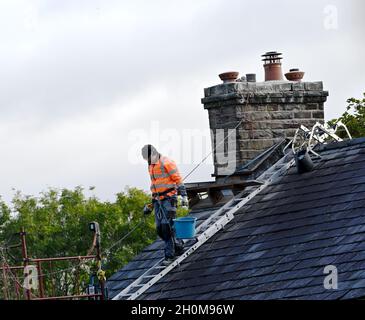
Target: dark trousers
[{"x": 167, "y": 207}]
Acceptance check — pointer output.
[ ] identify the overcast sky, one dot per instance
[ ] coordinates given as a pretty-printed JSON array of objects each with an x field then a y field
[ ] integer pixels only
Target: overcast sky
[{"x": 80, "y": 81}]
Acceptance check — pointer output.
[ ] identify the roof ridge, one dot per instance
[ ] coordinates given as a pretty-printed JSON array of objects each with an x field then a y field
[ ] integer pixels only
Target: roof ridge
[{"x": 340, "y": 144}]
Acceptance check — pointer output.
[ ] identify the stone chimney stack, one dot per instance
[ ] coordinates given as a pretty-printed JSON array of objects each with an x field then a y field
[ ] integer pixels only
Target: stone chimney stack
[{"x": 263, "y": 112}]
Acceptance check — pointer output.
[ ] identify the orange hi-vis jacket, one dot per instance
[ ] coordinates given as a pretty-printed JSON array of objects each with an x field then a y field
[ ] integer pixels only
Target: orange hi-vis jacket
[{"x": 164, "y": 176}]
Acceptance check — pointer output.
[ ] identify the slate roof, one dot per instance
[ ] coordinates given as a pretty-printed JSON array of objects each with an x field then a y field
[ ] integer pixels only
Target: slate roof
[{"x": 278, "y": 244}]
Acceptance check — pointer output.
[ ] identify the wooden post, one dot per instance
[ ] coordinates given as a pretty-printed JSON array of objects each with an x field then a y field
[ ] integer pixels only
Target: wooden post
[
  {"x": 5, "y": 287},
  {"x": 25, "y": 259},
  {"x": 40, "y": 279}
]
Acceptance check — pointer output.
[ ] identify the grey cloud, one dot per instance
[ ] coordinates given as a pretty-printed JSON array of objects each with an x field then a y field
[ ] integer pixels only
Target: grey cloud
[{"x": 69, "y": 62}]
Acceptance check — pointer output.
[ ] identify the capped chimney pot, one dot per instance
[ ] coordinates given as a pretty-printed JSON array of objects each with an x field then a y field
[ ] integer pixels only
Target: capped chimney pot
[
  {"x": 295, "y": 75},
  {"x": 272, "y": 66},
  {"x": 230, "y": 76}
]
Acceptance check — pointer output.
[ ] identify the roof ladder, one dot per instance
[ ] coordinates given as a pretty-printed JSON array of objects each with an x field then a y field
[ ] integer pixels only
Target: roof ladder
[
  {"x": 207, "y": 229},
  {"x": 317, "y": 135}
]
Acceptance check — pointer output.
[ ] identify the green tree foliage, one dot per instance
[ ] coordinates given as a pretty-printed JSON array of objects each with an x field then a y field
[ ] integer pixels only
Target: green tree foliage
[
  {"x": 353, "y": 118},
  {"x": 56, "y": 223}
]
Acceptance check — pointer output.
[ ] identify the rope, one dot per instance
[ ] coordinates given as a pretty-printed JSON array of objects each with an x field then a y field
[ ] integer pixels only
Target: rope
[
  {"x": 216, "y": 146},
  {"x": 191, "y": 172},
  {"x": 123, "y": 238},
  {"x": 233, "y": 130}
]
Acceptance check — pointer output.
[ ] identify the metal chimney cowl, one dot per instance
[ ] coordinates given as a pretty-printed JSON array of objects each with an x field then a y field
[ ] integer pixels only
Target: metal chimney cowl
[{"x": 272, "y": 66}]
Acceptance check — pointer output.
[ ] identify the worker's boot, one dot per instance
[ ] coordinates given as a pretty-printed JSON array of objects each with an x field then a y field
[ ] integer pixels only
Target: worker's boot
[
  {"x": 179, "y": 249},
  {"x": 167, "y": 261}
]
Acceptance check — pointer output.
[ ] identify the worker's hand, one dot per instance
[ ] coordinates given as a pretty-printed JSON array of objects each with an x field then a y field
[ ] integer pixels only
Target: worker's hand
[
  {"x": 185, "y": 202},
  {"x": 147, "y": 209}
]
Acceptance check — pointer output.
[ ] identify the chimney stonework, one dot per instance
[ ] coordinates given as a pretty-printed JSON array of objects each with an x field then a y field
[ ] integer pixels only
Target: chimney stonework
[{"x": 269, "y": 111}]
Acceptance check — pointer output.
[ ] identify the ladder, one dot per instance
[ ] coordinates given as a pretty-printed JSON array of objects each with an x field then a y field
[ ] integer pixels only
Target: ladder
[
  {"x": 318, "y": 134},
  {"x": 206, "y": 230}
]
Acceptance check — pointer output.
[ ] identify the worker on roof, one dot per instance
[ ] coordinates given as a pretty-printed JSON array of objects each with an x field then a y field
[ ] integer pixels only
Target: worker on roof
[{"x": 166, "y": 185}]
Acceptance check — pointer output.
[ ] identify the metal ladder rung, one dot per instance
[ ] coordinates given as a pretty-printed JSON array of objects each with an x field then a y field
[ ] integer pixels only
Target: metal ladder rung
[
  {"x": 160, "y": 267},
  {"x": 138, "y": 285},
  {"x": 279, "y": 166},
  {"x": 150, "y": 276},
  {"x": 235, "y": 203},
  {"x": 214, "y": 220},
  {"x": 228, "y": 208},
  {"x": 205, "y": 229}
]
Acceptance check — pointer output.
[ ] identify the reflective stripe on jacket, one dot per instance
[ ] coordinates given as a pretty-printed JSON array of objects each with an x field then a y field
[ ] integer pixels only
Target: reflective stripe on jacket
[{"x": 164, "y": 175}]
